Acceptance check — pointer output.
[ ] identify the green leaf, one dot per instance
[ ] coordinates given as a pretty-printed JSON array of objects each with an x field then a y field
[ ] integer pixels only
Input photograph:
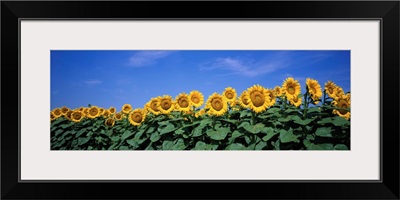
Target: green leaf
[
  {"x": 179, "y": 144},
  {"x": 273, "y": 110},
  {"x": 260, "y": 145},
  {"x": 86, "y": 122},
  {"x": 58, "y": 132},
  {"x": 269, "y": 136},
  {"x": 230, "y": 120},
  {"x": 167, "y": 129},
  {"x": 206, "y": 121},
  {"x": 218, "y": 134},
  {"x": 115, "y": 138},
  {"x": 288, "y": 136},
  {"x": 198, "y": 131},
  {"x": 64, "y": 126},
  {"x": 235, "y": 135},
  {"x": 80, "y": 132},
  {"x": 288, "y": 118},
  {"x": 83, "y": 140},
  {"x": 167, "y": 145},
  {"x": 127, "y": 134},
  {"x": 340, "y": 121},
  {"x": 123, "y": 148},
  {"x": 325, "y": 121},
  {"x": 133, "y": 142},
  {"x": 150, "y": 130},
  {"x": 290, "y": 110},
  {"x": 155, "y": 137},
  {"x": 340, "y": 147},
  {"x": 235, "y": 146},
  {"x": 254, "y": 128},
  {"x": 298, "y": 120},
  {"x": 179, "y": 131},
  {"x": 312, "y": 146},
  {"x": 245, "y": 113},
  {"x": 243, "y": 124},
  {"x": 200, "y": 145},
  {"x": 138, "y": 137},
  {"x": 314, "y": 109},
  {"x": 324, "y": 132}
]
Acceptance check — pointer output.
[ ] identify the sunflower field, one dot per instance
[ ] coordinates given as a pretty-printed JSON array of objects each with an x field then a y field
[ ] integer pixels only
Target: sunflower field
[{"x": 259, "y": 118}]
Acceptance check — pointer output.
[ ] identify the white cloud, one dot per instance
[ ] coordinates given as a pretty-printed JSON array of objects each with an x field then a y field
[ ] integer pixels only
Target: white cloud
[
  {"x": 243, "y": 67},
  {"x": 92, "y": 82},
  {"x": 144, "y": 58}
]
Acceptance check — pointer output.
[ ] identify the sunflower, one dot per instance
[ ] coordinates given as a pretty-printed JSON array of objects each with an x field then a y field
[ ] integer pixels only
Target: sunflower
[
  {"x": 118, "y": 116},
  {"x": 244, "y": 100},
  {"x": 82, "y": 109},
  {"x": 126, "y": 108},
  {"x": 106, "y": 113},
  {"x": 196, "y": 98},
  {"x": 258, "y": 98},
  {"x": 68, "y": 114},
  {"x": 93, "y": 112},
  {"x": 182, "y": 103},
  {"x": 64, "y": 110},
  {"x": 216, "y": 104},
  {"x": 57, "y": 112},
  {"x": 152, "y": 106},
  {"x": 86, "y": 111},
  {"x": 295, "y": 101},
  {"x": 229, "y": 94},
  {"x": 52, "y": 116},
  {"x": 76, "y": 116},
  {"x": 137, "y": 116},
  {"x": 291, "y": 88},
  {"x": 109, "y": 122},
  {"x": 314, "y": 89},
  {"x": 166, "y": 104},
  {"x": 342, "y": 102},
  {"x": 272, "y": 97},
  {"x": 200, "y": 113},
  {"x": 330, "y": 88},
  {"x": 112, "y": 110},
  {"x": 338, "y": 92},
  {"x": 101, "y": 110},
  {"x": 278, "y": 91}
]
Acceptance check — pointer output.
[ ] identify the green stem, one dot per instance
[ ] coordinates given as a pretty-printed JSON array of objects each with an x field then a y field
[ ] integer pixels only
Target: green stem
[
  {"x": 253, "y": 118},
  {"x": 305, "y": 105}
]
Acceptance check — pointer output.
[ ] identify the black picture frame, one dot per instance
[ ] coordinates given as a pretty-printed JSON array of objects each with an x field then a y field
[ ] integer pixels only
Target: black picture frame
[{"x": 386, "y": 11}]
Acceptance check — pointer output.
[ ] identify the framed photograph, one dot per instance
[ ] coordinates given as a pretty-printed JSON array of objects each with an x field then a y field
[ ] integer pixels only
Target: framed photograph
[{"x": 288, "y": 96}]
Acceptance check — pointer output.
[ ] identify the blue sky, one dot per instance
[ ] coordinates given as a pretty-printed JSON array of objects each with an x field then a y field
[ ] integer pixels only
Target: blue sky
[{"x": 114, "y": 78}]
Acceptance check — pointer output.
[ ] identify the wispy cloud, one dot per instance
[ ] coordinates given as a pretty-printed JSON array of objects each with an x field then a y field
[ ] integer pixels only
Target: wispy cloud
[
  {"x": 92, "y": 82},
  {"x": 243, "y": 67},
  {"x": 145, "y": 58}
]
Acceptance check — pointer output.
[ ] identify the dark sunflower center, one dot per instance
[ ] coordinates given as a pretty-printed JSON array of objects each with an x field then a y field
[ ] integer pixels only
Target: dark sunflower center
[
  {"x": 77, "y": 116},
  {"x": 343, "y": 104},
  {"x": 257, "y": 98},
  {"x": 330, "y": 90},
  {"x": 109, "y": 122},
  {"x": 183, "y": 103},
  {"x": 229, "y": 95},
  {"x": 154, "y": 106},
  {"x": 291, "y": 90},
  {"x": 126, "y": 108},
  {"x": 118, "y": 116},
  {"x": 57, "y": 112},
  {"x": 112, "y": 110},
  {"x": 93, "y": 112},
  {"x": 137, "y": 117},
  {"x": 165, "y": 104},
  {"x": 217, "y": 104},
  {"x": 195, "y": 99}
]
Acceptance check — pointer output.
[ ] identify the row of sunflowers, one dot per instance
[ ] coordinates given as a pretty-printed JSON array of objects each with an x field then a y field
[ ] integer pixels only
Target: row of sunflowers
[{"x": 256, "y": 110}]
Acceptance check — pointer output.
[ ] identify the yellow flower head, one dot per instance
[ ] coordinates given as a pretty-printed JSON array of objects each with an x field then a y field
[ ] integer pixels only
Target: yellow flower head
[
  {"x": 291, "y": 88},
  {"x": 278, "y": 91},
  {"x": 86, "y": 111},
  {"x": 296, "y": 101},
  {"x": 137, "y": 116},
  {"x": 106, "y": 113},
  {"x": 118, "y": 116},
  {"x": 182, "y": 102},
  {"x": 112, "y": 110},
  {"x": 152, "y": 106},
  {"x": 244, "y": 99},
  {"x": 338, "y": 92},
  {"x": 166, "y": 104},
  {"x": 81, "y": 109},
  {"x": 64, "y": 110},
  {"x": 93, "y": 112},
  {"x": 342, "y": 102},
  {"x": 314, "y": 89},
  {"x": 52, "y": 116},
  {"x": 68, "y": 114},
  {"x": 258, "y": 98},
  {"x": 229, "y": 94},
  {"x": 109, "y": 122},
  {"x": 76, "y": 116},
  {"x": 126, "y": 108},
  {"x": 216, "y": 104},
  {"x": 196, "y": 98},
  {"x": 57, "y": 112},
  {"x": 272, "y": 97},
  {"x": 330, "y": 88},
  {"x": 200, "y": 113}
]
